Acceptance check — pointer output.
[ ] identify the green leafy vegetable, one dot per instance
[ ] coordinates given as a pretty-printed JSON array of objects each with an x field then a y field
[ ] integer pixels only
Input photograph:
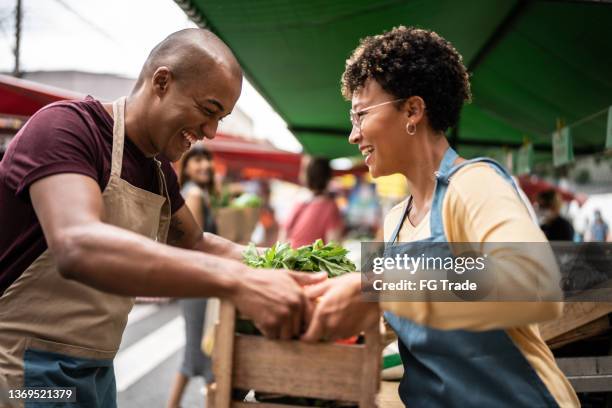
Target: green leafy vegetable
[
  {"x": 330, "y": 258},
  {"x": 221, "y": 200},
  {"x": 247, "y": 200}
]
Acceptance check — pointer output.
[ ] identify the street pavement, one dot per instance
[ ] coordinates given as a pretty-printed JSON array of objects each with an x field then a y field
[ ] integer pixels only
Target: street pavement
[{"x": 150, "y": 354}]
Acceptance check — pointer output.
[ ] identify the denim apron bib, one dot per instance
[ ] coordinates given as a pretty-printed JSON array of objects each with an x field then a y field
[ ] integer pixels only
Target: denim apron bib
[
  {"x": 56, "y": 332},
  {"x": 459, "y": 368}
]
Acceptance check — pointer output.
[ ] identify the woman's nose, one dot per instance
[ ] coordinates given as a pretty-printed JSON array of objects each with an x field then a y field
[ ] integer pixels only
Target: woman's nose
[{"x": 354, "y": 136}]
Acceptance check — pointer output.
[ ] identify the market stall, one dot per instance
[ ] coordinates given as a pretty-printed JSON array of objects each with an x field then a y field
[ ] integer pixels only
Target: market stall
[
  {"x": 531, "y": 62},
  {"x": 539, "y": 74}
]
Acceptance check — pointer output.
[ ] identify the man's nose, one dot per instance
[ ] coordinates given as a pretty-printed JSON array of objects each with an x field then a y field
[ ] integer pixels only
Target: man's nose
[{"x": 209, "y": 129}]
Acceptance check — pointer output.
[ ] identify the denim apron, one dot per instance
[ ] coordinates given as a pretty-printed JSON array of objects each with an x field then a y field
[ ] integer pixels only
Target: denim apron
[
  {"x": 459, "y": 368},
  {"x": 56, "y": 332}
]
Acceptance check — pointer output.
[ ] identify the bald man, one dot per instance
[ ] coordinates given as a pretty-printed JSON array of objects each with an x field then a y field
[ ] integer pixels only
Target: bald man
[{"x": 91, "y": 216}]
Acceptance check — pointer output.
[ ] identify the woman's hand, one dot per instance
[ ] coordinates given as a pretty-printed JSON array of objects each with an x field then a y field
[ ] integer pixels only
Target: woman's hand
[
  {"x": 339, "y": 311},
  {"x": 275, "y": 300}
]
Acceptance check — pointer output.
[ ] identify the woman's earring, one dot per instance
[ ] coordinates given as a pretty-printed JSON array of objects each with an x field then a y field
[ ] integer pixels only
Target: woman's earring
[{"x": 411, "y": 128}]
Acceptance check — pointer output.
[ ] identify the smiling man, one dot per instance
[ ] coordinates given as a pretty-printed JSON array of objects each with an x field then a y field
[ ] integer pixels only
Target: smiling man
[{"x": 88, "y": 200}]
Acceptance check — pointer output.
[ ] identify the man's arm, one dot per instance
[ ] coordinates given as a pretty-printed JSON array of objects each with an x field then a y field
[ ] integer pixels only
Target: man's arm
[
  {"x": 220, "y": 246},
  {"x": 119, "y": 261}
]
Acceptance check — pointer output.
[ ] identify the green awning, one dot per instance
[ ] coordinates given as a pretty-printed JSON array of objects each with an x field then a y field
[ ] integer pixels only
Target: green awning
[{"x": 532, "y": 62}]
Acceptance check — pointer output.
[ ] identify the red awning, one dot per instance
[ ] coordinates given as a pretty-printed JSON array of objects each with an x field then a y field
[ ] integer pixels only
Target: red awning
[
  {"x": 245, "y": 158},
  {"x": 533, "y": 185},
  {"x": 19, "y": 97},
  {"x": 254, "y": 159}
]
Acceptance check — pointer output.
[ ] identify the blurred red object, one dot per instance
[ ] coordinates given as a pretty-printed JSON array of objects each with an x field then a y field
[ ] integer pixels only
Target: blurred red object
[
  {"x": 350, "y": 340},
  {"x": 23, "y": 98},
  {"x": 533, "y": 185}
]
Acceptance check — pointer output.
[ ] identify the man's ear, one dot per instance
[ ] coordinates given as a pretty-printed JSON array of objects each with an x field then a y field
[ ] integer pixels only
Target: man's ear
[
  {"x": 414, "y": 108},
  {"x": 161, "y": 80}
]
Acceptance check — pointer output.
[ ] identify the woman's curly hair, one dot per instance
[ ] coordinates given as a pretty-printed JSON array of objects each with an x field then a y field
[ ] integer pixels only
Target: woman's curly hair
[{"x": 406, "y": 62}]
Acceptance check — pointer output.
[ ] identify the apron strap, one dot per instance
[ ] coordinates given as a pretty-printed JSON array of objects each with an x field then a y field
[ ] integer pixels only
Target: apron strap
[
  {"x": 118, "y": 136},
  {"x": 398, "y": 227},
  {"x": 166, "y": 214},
  {"x": 499, "y": 169},
  {"x": 447, "y": 161},
  {"x": 436, "y": 222},
  {"x": 161, "y": 180},
  {"x": 445, "y": 166}
]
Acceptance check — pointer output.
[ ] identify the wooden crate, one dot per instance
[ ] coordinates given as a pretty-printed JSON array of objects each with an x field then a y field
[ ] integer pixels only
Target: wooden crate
[
  {"x": 325, "y": 371},
  {"x": 580, "y": 320}
]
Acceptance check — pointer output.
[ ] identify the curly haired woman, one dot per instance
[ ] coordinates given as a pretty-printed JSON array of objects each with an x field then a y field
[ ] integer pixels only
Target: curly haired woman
[{"x": 407, "y": 87}]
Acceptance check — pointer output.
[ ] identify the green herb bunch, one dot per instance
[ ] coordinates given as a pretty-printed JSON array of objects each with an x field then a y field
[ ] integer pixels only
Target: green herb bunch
[
  {"x": 246, "y": 200},
  {"x": 330, "y": 258}
]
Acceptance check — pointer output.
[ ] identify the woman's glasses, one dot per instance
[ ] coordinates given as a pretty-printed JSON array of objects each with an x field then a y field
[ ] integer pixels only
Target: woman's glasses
[{"x": 357, "y": 116}]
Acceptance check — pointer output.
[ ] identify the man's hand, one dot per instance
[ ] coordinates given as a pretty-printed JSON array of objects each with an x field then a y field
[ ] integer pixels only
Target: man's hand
[
  {"x": 339, "y": 312},
  {"x": 275, "y": 300}
]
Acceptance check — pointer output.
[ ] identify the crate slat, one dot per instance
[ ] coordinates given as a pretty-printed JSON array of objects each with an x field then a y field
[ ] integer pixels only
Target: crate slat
[
  {"x": 371, "y": 367},
  {"x": 586, "y": 331},
  {"x": 588, "y": 374},
  {"x": 236, "y": 404},
  {"x": 575, "y": 314},
  {"x": 223, "y": 355},
  {"x": 328, "y": 371}
]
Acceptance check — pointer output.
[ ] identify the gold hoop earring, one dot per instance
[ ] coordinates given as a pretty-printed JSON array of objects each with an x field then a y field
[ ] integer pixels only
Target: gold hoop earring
[{"x": 411, "y": 129}]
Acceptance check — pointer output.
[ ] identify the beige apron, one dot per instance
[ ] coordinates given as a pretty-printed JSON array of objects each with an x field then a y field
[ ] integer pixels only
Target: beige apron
[{"x": 43, "y": 311}]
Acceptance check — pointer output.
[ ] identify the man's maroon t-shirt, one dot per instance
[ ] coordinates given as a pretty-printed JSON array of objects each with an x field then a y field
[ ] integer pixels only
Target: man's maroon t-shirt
[{"x": 64, "y": 137}]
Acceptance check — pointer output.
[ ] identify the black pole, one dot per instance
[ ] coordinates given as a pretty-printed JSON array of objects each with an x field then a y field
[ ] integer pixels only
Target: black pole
[{"x": 16, "y": 70}]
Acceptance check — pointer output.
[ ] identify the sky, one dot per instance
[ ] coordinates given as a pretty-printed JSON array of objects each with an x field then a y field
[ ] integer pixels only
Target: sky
[{"x": 111, "y": 36}]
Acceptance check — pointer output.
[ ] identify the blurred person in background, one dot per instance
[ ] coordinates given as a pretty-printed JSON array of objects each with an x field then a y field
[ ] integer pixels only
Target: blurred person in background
[
  {"x": 599, "y": 228},
  {"x": 267, "y": 218},
  {"x": 197, "y": 179},
  {"x": 319, "y": 217},
  {"x": 363, "y": 211},
  {"x": 555, "y": 227},
  {"x": 198, "y": 186}
]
